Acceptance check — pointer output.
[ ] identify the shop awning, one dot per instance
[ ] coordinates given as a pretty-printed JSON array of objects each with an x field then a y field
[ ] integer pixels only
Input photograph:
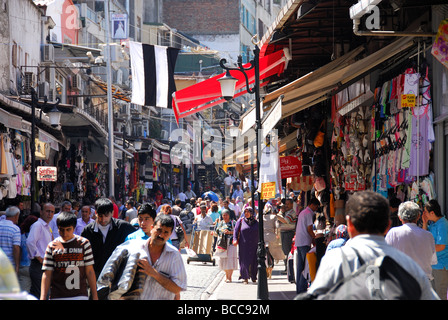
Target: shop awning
[
  {"x": 318, "y": 85},
  {"x": 117, "y": 92},
  {"x": 207, "y": 93}
]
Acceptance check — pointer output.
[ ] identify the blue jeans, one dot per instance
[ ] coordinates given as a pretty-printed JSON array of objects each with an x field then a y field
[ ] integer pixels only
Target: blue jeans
[{"x": 301, "y": 282}]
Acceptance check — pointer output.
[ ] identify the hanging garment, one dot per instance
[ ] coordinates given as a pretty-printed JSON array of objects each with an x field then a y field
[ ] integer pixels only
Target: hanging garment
[
  {"x": 9, "y": 157},
  {"x": 440, "y": 44},
  {"x": 426, "y": 103},
  {"x": 420, "y": 145},
  {"x": 3, "y": 167},
  {"x": 406, "y": 155},
  {"x": 411, "y": 81}
]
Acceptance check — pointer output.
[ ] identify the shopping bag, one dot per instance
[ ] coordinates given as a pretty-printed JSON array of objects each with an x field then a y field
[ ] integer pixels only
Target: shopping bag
[{"x": 191, "y": 253}]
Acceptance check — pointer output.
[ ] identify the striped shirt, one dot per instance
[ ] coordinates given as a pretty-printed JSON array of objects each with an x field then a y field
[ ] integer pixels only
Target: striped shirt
[
  {"x": 169, "y": 264},
  {"x": 68, "y": 266},
  {"x": 9, "y": 237}
]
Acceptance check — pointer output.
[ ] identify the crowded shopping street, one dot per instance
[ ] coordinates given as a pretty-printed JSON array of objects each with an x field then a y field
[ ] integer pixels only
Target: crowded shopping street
[{"x": 215, "y": 153}]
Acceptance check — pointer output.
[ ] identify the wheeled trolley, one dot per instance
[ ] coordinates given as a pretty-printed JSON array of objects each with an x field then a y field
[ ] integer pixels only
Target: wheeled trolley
[{"x": 201, "y": 242}]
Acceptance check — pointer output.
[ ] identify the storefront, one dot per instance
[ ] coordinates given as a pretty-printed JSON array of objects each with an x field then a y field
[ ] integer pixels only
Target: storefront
[{"x": 15, "y": 156}]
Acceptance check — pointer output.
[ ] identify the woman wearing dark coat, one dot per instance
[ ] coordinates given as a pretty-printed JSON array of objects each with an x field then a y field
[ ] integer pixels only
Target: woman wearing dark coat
[{"x": 246, "y": 236}]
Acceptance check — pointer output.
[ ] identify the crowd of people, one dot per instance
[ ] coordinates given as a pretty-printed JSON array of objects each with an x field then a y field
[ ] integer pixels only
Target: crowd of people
[{"x": 55, "y": 252}]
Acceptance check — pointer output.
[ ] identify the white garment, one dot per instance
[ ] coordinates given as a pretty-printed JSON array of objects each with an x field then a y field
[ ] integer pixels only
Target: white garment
[
  {"x": 169, "y": 264},
  {"x": 204, "y": 223},
  {"x": 182, "y": 196},
  {"x": 229, "y": 180},
  {"x": 415, "y": 242},
  {"x": 369, "y": 247}
]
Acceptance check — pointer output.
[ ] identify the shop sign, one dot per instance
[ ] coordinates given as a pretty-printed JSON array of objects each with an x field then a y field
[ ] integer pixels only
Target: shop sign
[
  {"x": 47, "y": 174},
  {"x": 268, "y": 190},
  {"x": 408, "y": 100},
  {"x": 119, "y": 25},
  {"x": 290, "y": 166}
]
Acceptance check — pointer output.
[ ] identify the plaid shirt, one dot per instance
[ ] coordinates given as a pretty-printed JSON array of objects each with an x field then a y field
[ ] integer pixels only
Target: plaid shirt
[{"x": 9, "y": 237}]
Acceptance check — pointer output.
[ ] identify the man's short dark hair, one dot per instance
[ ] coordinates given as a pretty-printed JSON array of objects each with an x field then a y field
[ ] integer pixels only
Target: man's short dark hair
[
  {"x": 146, "y": 208},
  {"x": 66, "y": 219},
  {"x": 394, "y": 202},
  {"x": 178, "y": 202},
  {"x": 369, "y": 212},
  {"x": 165, "y": 220},
  {"x": 104, "y": 206},
  {"x": 314, "y": 201}
]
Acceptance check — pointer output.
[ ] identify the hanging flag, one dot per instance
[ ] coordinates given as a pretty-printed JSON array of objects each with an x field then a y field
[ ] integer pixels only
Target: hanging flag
[{"x": 152, "y": 74}]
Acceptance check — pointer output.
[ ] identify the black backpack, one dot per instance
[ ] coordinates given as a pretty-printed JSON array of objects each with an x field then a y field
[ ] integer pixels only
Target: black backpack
[{"x": 379, "y": 279}]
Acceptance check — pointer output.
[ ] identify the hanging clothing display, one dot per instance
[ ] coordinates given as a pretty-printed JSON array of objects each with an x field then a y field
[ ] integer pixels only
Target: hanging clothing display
[{"x": 385, "y": 146}]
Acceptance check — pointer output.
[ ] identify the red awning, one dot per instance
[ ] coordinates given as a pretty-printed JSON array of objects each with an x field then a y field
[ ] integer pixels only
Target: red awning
[{"x": 207, "y": 93}]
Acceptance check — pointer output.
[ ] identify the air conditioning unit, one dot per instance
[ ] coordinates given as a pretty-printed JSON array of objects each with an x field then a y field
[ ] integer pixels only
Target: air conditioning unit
[
  {"x": 44, "y": 90},
  {"x": 76, "y": 82},
  {"x": 48, "y": 53},
  {"x": 29, "y": 82},
  {"x": 164, "y": 135}
]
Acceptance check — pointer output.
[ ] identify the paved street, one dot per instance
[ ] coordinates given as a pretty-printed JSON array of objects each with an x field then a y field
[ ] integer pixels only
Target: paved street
[
  {"x": 200, "y": 277},
  {"x": 205, "y": 282}
]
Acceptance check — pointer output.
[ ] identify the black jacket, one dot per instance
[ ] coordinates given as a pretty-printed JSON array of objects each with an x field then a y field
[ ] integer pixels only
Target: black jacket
[{"x": 102, "y": 250}]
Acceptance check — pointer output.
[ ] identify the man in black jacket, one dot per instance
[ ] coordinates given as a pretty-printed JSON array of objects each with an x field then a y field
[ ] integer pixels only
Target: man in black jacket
[{"x": 106, "y": 233}]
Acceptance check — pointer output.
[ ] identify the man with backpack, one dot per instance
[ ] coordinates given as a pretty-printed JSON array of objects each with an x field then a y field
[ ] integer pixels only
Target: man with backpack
[{"x": 367, "y": 267}]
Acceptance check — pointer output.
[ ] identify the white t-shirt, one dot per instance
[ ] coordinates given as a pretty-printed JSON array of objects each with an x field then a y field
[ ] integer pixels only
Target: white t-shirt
[
  {"x": 182, "y": 196},
  {"x": 229, "y": 180},
  {"x": 417, "y": 243},
  {"x": 304, "y": 220},
  {"x": 104, "y": 230},
  {"x": 131, "y": 213}
]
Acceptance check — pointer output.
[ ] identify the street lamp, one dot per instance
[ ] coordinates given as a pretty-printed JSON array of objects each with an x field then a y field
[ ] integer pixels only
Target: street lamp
[
  {"x": 138, "y": 144},
  {"x": 55, "y": 117},
  {"x": 227, "y": 84},
  {"x": 228, "y": 90}
]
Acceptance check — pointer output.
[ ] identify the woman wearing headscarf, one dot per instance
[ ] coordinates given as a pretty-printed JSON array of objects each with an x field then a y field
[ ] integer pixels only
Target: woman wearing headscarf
[
  {"x": 341, "y": 237},
  {"x": 225, "y": 228},
  {"x": 246, "y": 236}
]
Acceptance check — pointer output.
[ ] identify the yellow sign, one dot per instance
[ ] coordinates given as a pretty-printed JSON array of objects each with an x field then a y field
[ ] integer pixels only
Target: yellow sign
[
  {"x": 408, "y": 100},
  {"x": 268, "y": 190}
]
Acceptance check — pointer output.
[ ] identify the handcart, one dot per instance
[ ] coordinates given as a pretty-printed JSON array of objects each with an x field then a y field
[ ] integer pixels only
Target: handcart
[{"x": 201, "y": 241}]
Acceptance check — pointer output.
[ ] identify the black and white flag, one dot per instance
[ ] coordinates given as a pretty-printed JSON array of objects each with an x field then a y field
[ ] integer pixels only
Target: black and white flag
[{"x": 152, "y": 74}]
